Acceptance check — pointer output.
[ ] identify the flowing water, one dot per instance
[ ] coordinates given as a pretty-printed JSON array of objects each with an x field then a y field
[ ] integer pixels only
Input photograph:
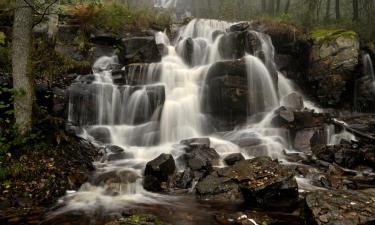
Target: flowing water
[{"x": 162, "y": 108}]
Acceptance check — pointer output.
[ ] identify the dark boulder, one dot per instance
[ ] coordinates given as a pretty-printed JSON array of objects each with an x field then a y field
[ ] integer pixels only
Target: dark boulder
[
  {"x": 344, "y": 155},
  {"x": 242, "y": 26},
  {"x": 339, "y": 207},
  {"x": 218, "y": 188},
  {"x": 161, "y": 168},
  {"x": 334, "y": 58},
  {"x": 186, "y": 50},
  {"x": 139, "y": 50},
  {"x": 151, "y": 183},
  {"x": 104, "y": 38},
  {"x": 226, "y": 94},
  {"x": 198, "y": 155},
  {"x": 263, "y": 181},
  {"x": 259, "y": 181},
  {"x": 231, "y": 159}
]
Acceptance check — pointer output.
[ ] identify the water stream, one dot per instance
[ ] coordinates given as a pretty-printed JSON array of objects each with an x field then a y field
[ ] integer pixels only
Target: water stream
[{"x": 164, "y": 107}]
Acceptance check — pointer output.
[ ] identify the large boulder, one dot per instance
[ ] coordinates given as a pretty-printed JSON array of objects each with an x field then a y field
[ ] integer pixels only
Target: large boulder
[
  {"x": 161, "y": 167},
  {"x": 139, "y": 50},
  {"x": 261, "y": 182},
  {"x": 334, "y": 57},
  {"x": 198, "y": 154},
  {"x": 339, "y": 207},
  {"x": 226, "y": 94},
  {"x": 344, "y": 155}
]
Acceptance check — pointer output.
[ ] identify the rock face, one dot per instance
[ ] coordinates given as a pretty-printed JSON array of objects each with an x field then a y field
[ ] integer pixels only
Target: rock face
[
  {"x": 226, "y": 94},
  {"x": 139, "y": 50},
  {"x": 259, "y": 181},
  {"x": 162, "y": 167},
  {"x": 307, "y": 128},
  {"x": 158, "y": 171},
  {"x": 345, "y": 155},
  {"x": 340, "y": 207},
  {"x": 334, "y": 57},
  {"x": 198, "y": 154}
]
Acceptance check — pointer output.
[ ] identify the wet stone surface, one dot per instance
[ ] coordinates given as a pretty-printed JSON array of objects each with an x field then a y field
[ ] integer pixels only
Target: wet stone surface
[{"x": 340, "y": 207}]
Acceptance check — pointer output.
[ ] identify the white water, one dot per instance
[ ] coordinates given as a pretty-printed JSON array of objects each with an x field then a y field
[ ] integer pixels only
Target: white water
[
  {"x": 128, "y": 117},
  {"x": 368, "y": 68}
]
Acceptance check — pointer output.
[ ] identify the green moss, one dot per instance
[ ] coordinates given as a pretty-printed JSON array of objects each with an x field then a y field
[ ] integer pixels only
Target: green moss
[
  {"x": 118, "y": 18},
  {"x": 2, "y": 38},
  {"x": 331, "y": 34}
]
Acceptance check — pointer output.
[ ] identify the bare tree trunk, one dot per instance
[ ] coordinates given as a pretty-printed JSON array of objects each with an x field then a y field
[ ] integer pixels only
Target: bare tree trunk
[
  {"x": 287, "y": 6},
  {"x": 355, "y": 11},
  {"x": 22, "y": 83},
  {"x": 278, "y": 3},
  {"x": 338, "y": 12},
  {"x": 271, "y": 7},
  {"x": 264, "y": 5},
  {"x": 328, "y": 10}
]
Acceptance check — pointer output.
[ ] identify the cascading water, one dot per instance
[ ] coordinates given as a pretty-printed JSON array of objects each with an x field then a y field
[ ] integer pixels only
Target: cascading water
[
  {"x": 159, "y": 105},
  {"x": 368, "y": 67}
]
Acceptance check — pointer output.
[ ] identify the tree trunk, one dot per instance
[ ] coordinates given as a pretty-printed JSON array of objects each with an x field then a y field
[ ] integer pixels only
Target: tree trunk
[
  {"x": 22, "y": 83},
  {"x": 287, "y": 5},
  {"x": 278, "y": 3},
  {"x": 355, "y": 11},
  {"x": 328, "y": 10},
  {"x": 271, "y": 7},
  {"x": 338, "y": 12},
  {"x": 264, "y": 5}
]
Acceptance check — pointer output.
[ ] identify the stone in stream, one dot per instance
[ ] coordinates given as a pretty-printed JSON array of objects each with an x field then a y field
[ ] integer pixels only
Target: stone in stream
[
  {"x": 161, "y": 168},
  {"x": 231, "y": 159},
  {"x": 198, "y": 154},
  {"x": 339, "y": 207},
  {"x": 344, "y": 155},
  {"x": 259, "y": 182},
  {"x": 294, "y": 101}
]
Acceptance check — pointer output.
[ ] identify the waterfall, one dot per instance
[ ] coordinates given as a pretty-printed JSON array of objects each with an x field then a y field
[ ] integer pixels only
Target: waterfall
[
  {"x": 262, "y": 92},
  {"x": 368, "y": 67},
  {"x": 153, "y": 106}
]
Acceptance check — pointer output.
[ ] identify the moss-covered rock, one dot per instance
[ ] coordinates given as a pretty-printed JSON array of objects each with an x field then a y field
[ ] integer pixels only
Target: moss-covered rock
[{"x": 333, "y": 59}]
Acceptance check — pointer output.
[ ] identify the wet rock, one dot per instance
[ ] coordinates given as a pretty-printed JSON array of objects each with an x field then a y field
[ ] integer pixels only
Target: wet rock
[
  {"x": 139, "y": 50},
  {"x": 161, "y": 168},
  {"x": 116, "y": 154},
  {"x": 226, "y": 94},
  {"x": 198, "y": 155},
  {"x": 282, "y": 117},
  {"x": 261, "y": 182},
  {"x": 215, "y": 187},
  {"x": 202, "y": 142},
  {"x": 184, "y": 180},
  {"x": 343, "y": 155},
  {"x": 333, "y": 59},
  {"x": 101, "y": 134},
  {"x": 231, "y": 159},
  {"x": 186, "y": 50},
  {"x": 294, "y": 101},
  {"x": 151, "y": 183},
  {"x": 242, "y": 26},
  {"x": 339, "y": 207}
]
